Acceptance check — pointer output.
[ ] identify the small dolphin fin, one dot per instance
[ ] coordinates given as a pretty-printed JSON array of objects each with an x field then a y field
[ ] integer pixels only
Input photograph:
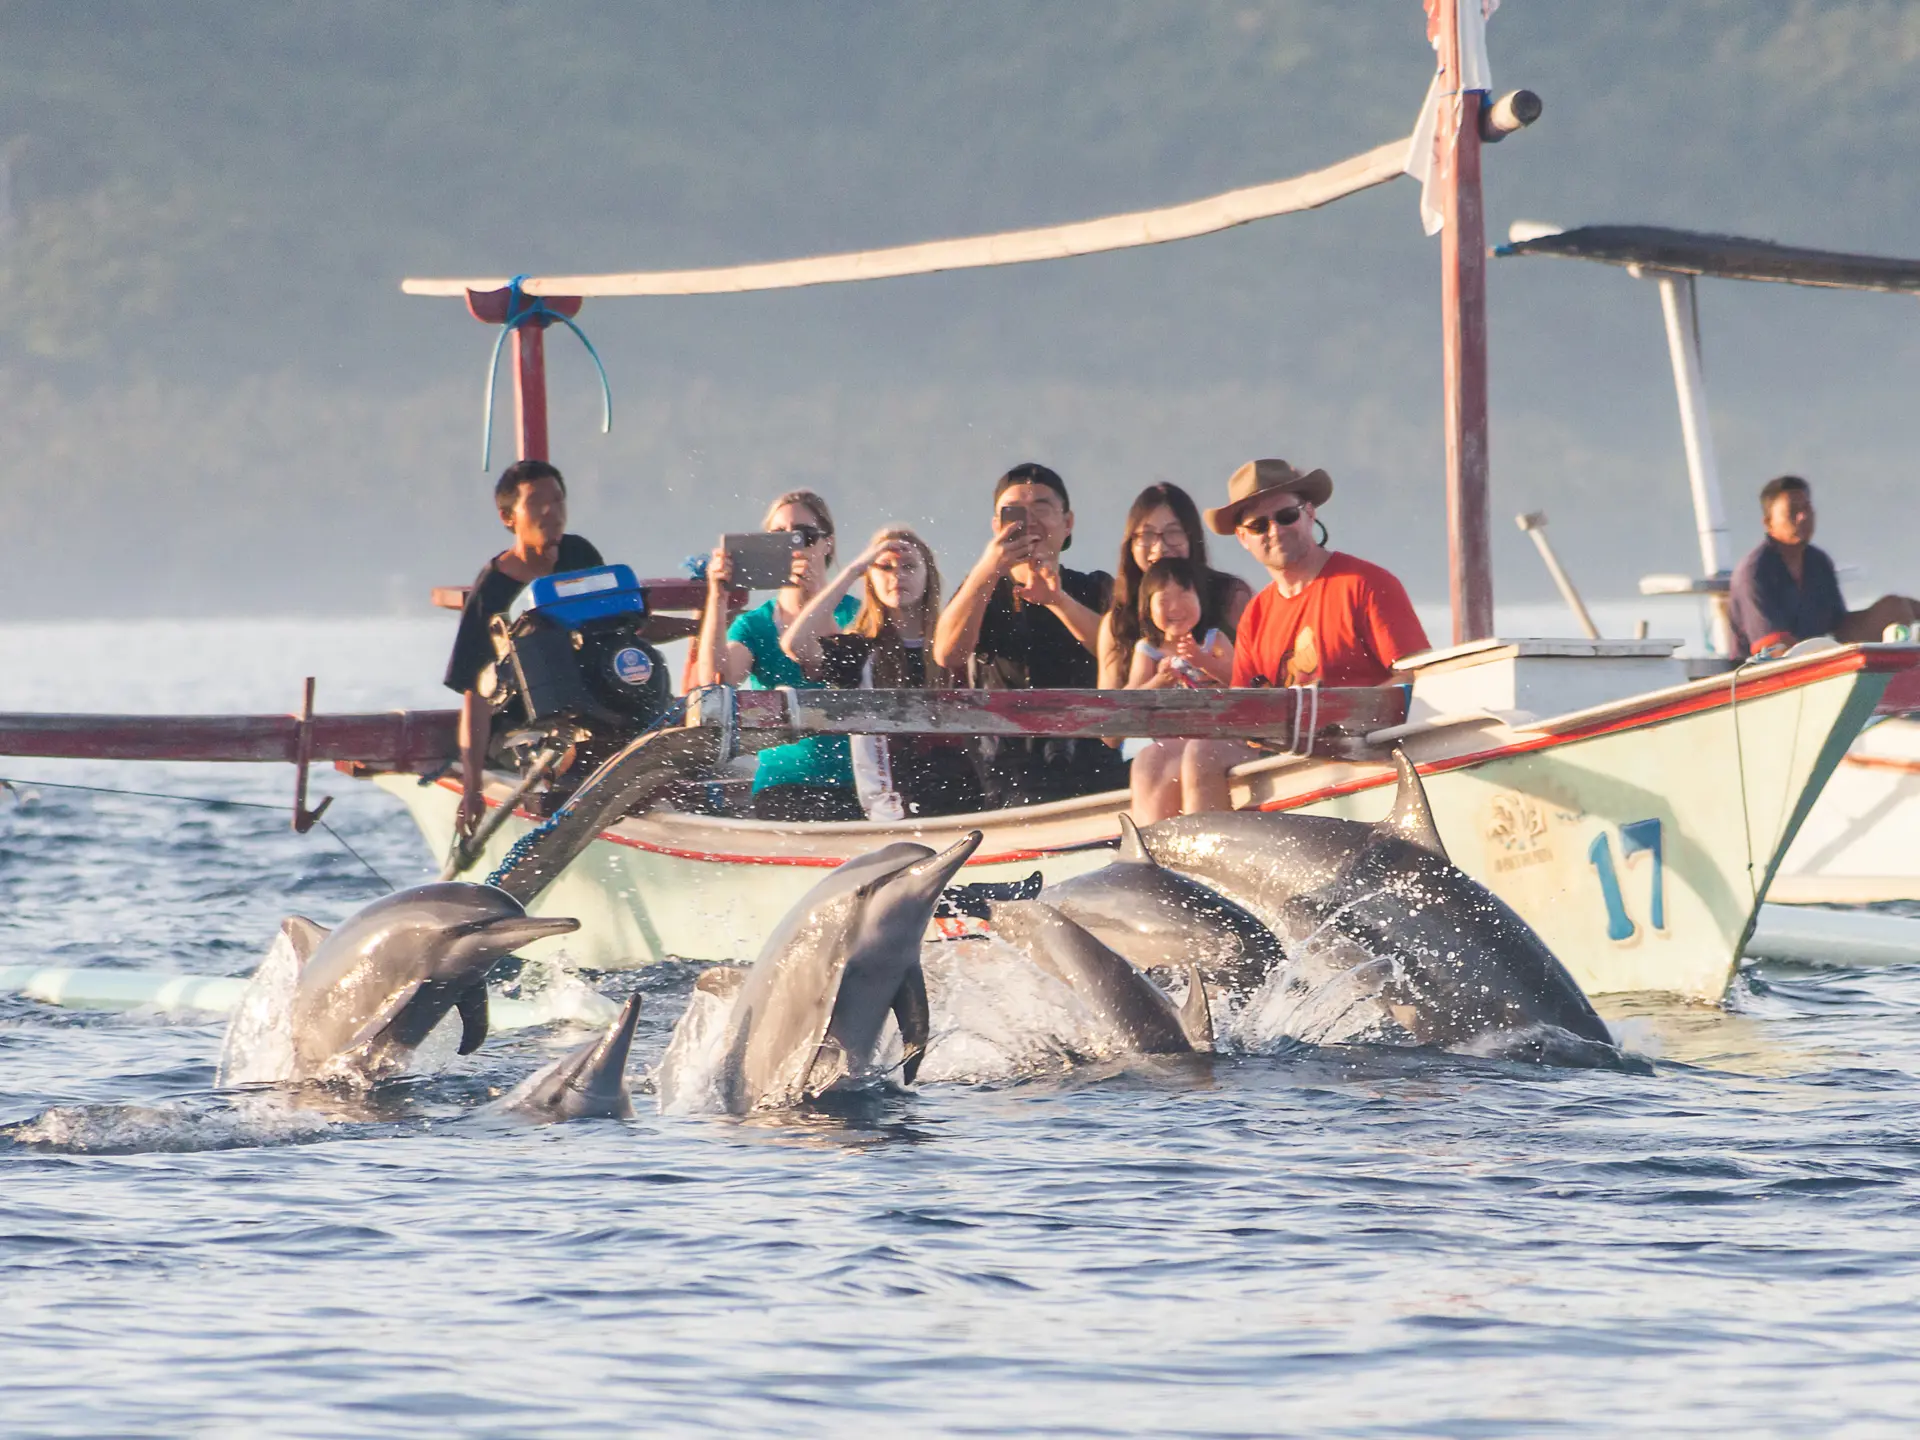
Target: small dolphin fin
[
  {"x": 915, "y": 1019},
  {"x": 304, "y": 935},
  {"x": 385, "y": 1015},
  {"x": 1132, "y": 850},
  {"x": 1411, "y": 818},
  {"x": 1196, "y": 1015},
  {"x": 472, "y": 1006},
  {"x": 721, "y": 980}
]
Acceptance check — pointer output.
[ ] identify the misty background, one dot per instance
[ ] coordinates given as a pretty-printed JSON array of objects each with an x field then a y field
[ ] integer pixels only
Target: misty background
[{"x": 217, "y": 401}]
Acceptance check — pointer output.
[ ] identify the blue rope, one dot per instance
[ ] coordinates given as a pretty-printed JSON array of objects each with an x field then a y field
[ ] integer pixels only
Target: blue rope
[{"x": 524, "y": 309}]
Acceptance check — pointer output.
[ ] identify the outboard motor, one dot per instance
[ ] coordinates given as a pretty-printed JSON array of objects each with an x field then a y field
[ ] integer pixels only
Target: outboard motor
[{"x": 572, "y": 664}]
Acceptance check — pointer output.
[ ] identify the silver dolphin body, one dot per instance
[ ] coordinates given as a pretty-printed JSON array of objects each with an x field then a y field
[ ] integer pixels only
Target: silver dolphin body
[
  {"x": 587, "y": 1083},
  {"x": 372, "y": 989},
  {"x": 1156, "y": 917},
  {"x": 808, "y": 1016},
  {"x": 1135, "y": 1012},
  {"x": 1385, "y": 936}
]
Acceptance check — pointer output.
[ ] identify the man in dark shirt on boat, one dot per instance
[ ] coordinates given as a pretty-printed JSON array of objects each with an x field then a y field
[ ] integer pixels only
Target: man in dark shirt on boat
[
  {"x": 1022, "y": 621},
  {"x": 531, "y": 497},
  {"x": 1786, "y": 590}
]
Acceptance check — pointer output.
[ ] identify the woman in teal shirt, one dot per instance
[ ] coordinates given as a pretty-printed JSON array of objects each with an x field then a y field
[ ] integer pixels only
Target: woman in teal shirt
[{"x": 811, "y": 779}]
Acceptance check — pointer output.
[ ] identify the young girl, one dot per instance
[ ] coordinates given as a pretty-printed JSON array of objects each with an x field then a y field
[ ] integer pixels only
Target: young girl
[
  {"x": 1167, "y": 654},
  {"x": 888, "y": 646}
]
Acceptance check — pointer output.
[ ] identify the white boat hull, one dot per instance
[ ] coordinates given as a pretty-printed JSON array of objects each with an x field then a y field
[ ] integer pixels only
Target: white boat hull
[
  {"x": 1638, "y": 837},
  {"x": 1861, "y": 844}
]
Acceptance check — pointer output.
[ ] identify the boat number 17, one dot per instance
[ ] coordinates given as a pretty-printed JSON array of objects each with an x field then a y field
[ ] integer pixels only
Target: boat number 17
[{"x": 1637, "y": 837}]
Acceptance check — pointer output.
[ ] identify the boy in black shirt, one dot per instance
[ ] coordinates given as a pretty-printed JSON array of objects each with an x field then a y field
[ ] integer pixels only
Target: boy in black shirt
[
  {"x": 531, "y": 497},
  {"x": 1021, "y": 621}
]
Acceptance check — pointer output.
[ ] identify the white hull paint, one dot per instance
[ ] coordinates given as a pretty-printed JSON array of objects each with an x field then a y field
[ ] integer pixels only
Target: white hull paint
[
  {"x": 1637, "y": 837},
  {"x": 1861, "y": 844}
]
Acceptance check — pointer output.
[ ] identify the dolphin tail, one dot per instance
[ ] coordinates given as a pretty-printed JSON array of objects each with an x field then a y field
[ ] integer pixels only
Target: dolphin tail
[
  {"x": 472, "y": 1006},
  {"x": 1411, "y": 818},
  {"x": 304, "y": 935},
  {"x": 914, "y": 1017},
  {"x": 1196, "y": 1014},
  {"x": 1132, "y": 849}
]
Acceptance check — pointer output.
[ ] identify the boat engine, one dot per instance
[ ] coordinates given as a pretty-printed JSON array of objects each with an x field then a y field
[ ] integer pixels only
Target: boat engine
[{"x": 573, "y": 670}]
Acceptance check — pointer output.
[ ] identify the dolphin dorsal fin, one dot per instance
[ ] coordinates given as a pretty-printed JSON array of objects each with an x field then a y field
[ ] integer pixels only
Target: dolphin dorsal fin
[
  {"x": 1196, "y": 1014},
  {"x": 304, "y": 935},
  {"x": 1132, "y": 849},
  {"x": 1411, "y": 818}
]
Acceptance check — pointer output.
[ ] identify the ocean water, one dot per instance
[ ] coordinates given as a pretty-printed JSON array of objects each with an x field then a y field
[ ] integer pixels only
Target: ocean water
[{"x": 1305, "y": 1242}]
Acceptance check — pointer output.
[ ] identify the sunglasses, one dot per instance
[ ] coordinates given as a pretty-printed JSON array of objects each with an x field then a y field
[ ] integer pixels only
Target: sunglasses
[
  {"x": 1257, "y": 524},
  {"x": 810, "y": 535}
]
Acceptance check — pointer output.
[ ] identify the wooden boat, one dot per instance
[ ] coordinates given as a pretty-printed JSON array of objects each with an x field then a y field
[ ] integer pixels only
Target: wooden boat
[
  {"x": 1861, "y": 843},
  {"x": 1632, "y": 810}
]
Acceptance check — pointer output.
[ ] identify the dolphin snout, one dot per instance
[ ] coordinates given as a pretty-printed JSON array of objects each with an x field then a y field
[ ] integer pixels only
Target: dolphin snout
[
  {"x": 510, "y": 932},
  {"x": 936, "y": 870}
]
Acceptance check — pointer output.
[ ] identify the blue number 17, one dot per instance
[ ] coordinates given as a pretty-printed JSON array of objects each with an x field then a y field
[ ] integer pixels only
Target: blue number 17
[{"x": 1636, "y": 837}]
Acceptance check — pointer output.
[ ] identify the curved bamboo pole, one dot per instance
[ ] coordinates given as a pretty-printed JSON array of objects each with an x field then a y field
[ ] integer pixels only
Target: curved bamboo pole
[{"x": 1013, "y": 247}]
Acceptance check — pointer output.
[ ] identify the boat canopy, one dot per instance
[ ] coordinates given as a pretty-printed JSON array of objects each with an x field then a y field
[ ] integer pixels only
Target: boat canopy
[{"x": 1729, "y": 257}]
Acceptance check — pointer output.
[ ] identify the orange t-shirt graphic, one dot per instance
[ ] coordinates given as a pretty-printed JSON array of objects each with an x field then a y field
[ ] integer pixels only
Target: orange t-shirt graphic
[{"x": 1347, "y": 627}]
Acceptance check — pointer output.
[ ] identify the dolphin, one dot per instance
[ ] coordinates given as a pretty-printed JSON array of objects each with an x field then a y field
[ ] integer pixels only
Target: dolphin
[
  {"x": 1132, "y": 1008},
  {"x": 371, "y": 990},
  {"x": 587, "y": 1083},
  {"x": 807, "y": 1016},
  {"x": 1155, "y": 917},
  {"x": 1386, "y": 938}
]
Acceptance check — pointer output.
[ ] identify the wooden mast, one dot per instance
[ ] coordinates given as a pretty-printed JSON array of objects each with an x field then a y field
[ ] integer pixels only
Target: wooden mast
[{"x": 1463, "y": 305}]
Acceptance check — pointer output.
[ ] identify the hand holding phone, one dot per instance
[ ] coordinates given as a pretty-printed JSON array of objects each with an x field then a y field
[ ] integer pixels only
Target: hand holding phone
[{"x": 762, "y": 560}]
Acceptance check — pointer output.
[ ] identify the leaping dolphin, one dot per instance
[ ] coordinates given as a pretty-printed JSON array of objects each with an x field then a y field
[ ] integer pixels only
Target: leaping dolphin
[
  {"x": 371, "y": 990},
  {"x": 1135, "y": 1011},
  {"x": 1155, "y": 917},
  {"x": 1389, "y": 932},
  {"x": 807, "y": 1017},
  {"x": 587, "y": 1083}
]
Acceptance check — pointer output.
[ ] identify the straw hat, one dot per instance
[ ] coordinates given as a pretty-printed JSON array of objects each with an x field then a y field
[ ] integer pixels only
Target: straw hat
[{"x": 1258, "y": 477}]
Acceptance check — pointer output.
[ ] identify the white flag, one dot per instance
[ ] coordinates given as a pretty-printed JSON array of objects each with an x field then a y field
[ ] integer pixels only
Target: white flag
[{"x": 1476, "y": 74}]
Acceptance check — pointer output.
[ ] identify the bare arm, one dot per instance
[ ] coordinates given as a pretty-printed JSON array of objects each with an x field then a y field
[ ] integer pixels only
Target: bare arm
[
  {"x": 1043, "y": 588},
  {"x": 1114, "y": 661},
  {"x": 716, "y": 659},
  {"x": 1141, "y": 672},
  {"x": 802, "y": 640},
  {"x": 1216, "y": 663},
  {"x": 958, "y": 633}
]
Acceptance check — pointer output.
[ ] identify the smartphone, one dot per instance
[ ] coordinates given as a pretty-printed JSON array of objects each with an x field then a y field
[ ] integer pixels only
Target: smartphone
[
  {"x": 1015, "y": 515},
  {"x": 762, "y": 560}
]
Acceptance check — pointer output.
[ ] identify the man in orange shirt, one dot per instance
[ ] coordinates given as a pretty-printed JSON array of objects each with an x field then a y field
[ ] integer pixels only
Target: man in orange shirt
[{"x": 1327, "y": 618}]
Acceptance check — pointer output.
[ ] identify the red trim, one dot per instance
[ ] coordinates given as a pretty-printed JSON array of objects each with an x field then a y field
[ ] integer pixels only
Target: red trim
[
  {"x": 1884, "y": 762},
  {"x": 1844, "y": 663}
]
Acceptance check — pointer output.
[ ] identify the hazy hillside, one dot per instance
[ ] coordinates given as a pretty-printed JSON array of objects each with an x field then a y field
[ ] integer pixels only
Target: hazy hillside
[{"x": 219, "y": 400}]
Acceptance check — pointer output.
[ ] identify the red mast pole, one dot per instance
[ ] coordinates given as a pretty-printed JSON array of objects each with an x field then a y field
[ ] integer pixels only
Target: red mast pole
[
  {"x": 1463, "y": 306},
  {"x": 500, "y": 307},
  {"x": 530, "y": 391}
]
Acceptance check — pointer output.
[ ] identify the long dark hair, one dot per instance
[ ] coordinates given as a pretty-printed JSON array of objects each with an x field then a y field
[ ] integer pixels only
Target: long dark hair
[{"x": 1125, "y": 609}]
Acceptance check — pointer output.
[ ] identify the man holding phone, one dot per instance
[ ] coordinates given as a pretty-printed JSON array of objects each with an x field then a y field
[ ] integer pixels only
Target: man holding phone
[{"x": 1022, "y": 621}]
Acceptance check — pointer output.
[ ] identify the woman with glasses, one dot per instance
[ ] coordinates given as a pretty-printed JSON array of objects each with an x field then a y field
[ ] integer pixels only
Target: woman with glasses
[
  {"x": 886, "y": 646},
  {"x": 1163, "y": 524},
  {"x": 811, "y": 779}
]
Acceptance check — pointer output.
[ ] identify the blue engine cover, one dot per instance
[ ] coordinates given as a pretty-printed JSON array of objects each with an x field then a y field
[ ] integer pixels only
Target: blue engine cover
[{"x": 576, "y": 597}]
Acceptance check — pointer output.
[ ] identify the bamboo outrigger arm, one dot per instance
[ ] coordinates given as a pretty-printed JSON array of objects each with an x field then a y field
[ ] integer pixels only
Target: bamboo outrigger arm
[{"x": 1014, "y": 247}]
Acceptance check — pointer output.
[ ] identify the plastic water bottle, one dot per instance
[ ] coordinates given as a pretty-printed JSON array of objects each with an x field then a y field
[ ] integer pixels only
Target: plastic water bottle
[{"x": 1897, "y": 634}]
